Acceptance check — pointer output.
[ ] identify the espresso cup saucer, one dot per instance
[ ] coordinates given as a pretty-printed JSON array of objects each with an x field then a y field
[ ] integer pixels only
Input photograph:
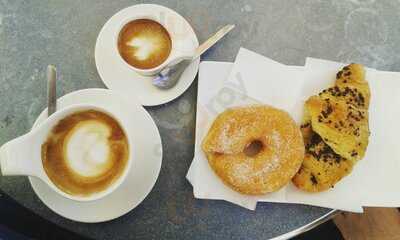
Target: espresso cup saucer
[
  {"x": 116, "y": 75},
  {"x": 143, "y": 174}
]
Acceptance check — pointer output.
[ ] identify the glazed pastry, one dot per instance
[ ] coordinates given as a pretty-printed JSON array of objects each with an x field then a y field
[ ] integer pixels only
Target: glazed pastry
[
  {"x": 335, "y": 130},
  {"x": 255, "y": 149}
]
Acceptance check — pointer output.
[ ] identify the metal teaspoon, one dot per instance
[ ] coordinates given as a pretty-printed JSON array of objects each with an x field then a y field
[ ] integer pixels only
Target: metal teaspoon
[
  {"x": 169, "y": 76},
  {"x": 51, "y": 90}
]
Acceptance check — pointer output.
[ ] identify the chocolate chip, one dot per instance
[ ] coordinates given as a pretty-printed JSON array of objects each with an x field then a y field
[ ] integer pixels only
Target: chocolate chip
[
  {"x": 305, "y": 125},
  {"x": 339, "y": 74},
  {"x": 329, "y": 109},
  {"x": 313, "y": 179}
]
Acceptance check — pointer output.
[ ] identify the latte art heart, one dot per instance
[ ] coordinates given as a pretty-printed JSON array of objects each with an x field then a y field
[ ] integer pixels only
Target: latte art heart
[
  {"x": 87, "y": 150},
  {"x": 144, "y": 46},
  {"x": 144, "y": 43},
  {"x": 85, "y": 153}
]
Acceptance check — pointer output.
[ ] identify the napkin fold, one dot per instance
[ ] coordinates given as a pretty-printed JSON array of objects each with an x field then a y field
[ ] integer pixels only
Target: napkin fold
[{"x": 254, "y": 78}]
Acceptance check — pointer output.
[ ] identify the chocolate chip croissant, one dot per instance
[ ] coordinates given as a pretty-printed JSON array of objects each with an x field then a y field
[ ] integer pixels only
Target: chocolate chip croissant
[{"x": 335, "y": 130}]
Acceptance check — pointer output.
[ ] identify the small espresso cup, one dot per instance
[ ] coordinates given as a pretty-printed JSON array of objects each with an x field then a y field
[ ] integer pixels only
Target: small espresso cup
[
  {"x": 180, "y": 49},
  {"x": 23, "y": 155}
]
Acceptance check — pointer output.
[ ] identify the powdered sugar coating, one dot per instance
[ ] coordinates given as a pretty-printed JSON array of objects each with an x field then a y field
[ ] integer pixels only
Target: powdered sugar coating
[{"x": 270, "y": 169}]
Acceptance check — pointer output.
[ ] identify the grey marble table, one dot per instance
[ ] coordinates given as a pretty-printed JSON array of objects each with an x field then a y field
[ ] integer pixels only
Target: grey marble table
[{"x": 36, "y": 33}]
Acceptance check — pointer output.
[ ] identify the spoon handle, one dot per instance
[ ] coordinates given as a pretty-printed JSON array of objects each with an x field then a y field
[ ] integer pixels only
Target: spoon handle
[
  {"x": 51, "y": 90},
  {"x": 170, "y": 75},
  {"x": 212, "y": 40}
]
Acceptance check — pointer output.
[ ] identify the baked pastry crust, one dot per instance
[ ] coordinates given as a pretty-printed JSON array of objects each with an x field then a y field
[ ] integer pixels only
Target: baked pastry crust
[
  {"x": 322, "y": 167},
  {"x": 278, "y": 159},
  {"x": 335, "y": 130}
]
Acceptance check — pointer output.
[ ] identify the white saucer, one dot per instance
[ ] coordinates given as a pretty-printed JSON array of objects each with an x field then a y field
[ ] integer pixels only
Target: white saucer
[
  {"x": 117, "y": 76},
  {"x": 143, "y": 174}
]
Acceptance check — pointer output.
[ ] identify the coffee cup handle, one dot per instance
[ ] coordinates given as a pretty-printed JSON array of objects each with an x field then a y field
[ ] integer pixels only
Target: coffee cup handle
[
  {"x": 181, "y": 56},
  {"x": 17, "y": 157}
]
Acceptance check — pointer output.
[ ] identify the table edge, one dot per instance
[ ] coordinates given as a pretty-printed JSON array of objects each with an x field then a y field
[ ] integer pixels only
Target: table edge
[{"x": 309, "y": 226}]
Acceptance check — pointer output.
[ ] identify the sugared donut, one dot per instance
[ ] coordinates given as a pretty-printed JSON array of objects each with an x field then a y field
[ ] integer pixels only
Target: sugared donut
[{"x": 255, "y": 149}]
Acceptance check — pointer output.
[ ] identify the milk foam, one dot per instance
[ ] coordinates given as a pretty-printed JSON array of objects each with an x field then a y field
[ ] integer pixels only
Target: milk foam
[
  {"x": 87, "y": 149},
  {"x": 145, "y": 46}
]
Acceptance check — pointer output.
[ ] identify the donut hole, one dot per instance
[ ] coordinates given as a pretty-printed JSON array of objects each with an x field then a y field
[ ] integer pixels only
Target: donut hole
[{"x": 253, "y": 148}]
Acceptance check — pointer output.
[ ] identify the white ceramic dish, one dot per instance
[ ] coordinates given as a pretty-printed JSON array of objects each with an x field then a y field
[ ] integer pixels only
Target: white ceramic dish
[
  {"x": 16, "y": 158},
  {"x": 116, "y": 75},
  {"x": 180, "y": 48},
  {"x": 144, "y": 170}
]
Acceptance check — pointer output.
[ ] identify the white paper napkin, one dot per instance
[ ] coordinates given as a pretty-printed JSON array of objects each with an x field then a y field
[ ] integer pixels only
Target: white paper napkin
[
  {"x": 267, "y": 81},
  {"x": 213, "y": 99},
  {"x": 287, "y": 87},
  {"x": 375, "y": 179}
]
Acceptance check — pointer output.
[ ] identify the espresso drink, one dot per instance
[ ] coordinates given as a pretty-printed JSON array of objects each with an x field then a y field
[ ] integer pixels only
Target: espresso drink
[
  {"x": 144, "y": 43},
  {"x": 85, "y": 153}
]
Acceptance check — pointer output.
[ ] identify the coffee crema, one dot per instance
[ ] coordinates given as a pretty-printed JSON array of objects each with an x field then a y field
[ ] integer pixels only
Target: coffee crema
[
  {"x": 144, "y": 43},
  {"x": 85, "y": 153}
]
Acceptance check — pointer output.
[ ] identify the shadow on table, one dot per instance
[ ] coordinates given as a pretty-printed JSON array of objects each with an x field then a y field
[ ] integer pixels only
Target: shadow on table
[
  {"x": 18, "y": 223},
  {"x": 326, "y": 231}
]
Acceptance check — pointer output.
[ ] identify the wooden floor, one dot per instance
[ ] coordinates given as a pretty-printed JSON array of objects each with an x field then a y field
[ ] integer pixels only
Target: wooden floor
[{"x": 373, "y": 224}]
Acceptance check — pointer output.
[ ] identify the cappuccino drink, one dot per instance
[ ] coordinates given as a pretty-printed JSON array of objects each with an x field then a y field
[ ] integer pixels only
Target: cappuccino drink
[
  {"x": 144, "y": 43},
  {"x": 85, "y": 153}
]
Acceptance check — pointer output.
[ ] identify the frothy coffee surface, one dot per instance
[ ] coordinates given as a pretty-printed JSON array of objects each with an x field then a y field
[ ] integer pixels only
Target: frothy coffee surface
[
  {"x": 85, "y": 152},
  {"x": 144, "y": 43}
]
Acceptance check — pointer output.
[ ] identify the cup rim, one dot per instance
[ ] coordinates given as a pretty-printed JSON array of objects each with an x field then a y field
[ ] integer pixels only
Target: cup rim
[
  {"x": 61, "y": 114},
  {"x": 127, "y": 20}
]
